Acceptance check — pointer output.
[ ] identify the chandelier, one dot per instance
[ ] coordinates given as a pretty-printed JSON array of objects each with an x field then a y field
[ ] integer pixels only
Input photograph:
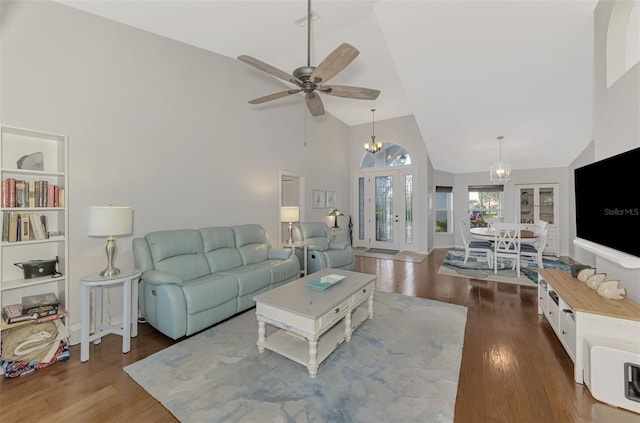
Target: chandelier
[
  {"x": 500, "y": 172},
  {"x": 373, "y": 146}
]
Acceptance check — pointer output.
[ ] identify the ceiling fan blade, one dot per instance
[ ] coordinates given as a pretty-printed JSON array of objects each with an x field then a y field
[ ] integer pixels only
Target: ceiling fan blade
[
  {"x": 314, "y": 104},
  {"x": 350, "y": 92},
  {"x": 265, "y": 67},
  {"x": 274, "y": 96},
  {"x": 337, "y": 60}
]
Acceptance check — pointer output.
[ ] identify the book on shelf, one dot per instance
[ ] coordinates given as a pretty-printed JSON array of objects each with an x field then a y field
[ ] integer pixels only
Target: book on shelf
[
  {"x": 13, "y": 226},
  {"x": 11, "y": 201},
  {"x": 5, "y": 193},
  {"x": 62, "y": 312},
  {"x": 25, "y": 233},
  {"x": 22, "y": 193},
  {"x": 42, "y": 304},
  {"x": 5, "y": 226},
  {"x": 55, "y": 234},
  {"x": 12, "y": 313},
  {"x": 24, "y": 227}
]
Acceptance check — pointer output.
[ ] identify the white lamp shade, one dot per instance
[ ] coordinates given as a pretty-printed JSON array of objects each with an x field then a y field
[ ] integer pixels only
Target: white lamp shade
[
  {"x": 289, "y": 214},
  {"x": 110, "y": 221}
]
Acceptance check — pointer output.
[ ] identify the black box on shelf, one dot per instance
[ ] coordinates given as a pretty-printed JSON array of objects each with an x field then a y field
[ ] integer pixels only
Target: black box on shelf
[{"x": 41, "y": 304}]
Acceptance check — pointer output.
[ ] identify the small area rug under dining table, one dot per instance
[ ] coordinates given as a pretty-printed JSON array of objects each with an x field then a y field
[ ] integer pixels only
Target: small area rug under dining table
[
  {"x": 478, "y": 268},
  {"x": 402, "y": 365}
]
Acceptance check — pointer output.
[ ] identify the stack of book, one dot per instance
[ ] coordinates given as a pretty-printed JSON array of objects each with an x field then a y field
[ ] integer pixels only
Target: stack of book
[{"x": 33, "y": 309}]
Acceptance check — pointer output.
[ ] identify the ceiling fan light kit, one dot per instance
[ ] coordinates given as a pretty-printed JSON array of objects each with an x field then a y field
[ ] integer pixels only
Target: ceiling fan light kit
[{"x": 309, "y": 79}]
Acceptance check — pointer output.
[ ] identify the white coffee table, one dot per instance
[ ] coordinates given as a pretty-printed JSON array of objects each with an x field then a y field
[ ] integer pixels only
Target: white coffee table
[{"x": 308, "y": 319}]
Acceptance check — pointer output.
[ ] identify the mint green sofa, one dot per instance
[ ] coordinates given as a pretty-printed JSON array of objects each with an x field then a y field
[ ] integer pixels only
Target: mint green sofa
[{"x": 195, "y": 278}]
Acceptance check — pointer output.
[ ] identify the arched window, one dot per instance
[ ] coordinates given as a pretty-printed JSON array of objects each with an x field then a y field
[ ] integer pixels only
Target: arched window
[{"x": 389, "y": 155}]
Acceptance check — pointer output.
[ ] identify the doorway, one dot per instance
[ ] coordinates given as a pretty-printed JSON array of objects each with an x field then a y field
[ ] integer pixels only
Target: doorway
[{"x": 384, "y": 209}]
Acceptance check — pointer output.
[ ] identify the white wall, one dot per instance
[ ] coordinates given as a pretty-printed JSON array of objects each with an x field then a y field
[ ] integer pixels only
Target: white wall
[
  {"x": 160, "y": 126},
  {"x": 616, "y": 128}
]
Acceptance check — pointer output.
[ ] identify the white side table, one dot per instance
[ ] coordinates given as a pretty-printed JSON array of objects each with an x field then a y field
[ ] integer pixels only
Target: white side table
[
  {"x": 338, "y": 234},
  {"x": 293, "y": 247},
  {"x": 128, "y": 278}
]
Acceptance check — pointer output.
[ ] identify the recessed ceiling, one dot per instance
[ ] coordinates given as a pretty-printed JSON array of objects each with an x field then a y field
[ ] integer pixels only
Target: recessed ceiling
[{"x": 468, "y": 71}]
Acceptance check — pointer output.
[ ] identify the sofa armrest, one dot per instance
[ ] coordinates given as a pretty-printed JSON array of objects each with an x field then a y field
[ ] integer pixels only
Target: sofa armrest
[
  {"x": 278, "y": 253},
  {"x": 313, "y": 247},
  {"x": 338, "y": 245},
  {"x": 154, "y": 277}
]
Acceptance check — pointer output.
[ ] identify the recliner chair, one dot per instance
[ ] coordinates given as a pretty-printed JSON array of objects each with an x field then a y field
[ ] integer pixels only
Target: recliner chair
[{"x": 322, "y": 251}]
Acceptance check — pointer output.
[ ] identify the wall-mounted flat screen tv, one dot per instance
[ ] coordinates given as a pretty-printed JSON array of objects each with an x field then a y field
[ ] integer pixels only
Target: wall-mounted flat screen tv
[{"x": 608, "y": 202}]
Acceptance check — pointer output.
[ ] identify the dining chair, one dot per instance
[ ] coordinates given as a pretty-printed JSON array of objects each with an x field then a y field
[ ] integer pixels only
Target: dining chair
[
  {"x": 536, "y": 248},
  {"x": 473, "y": 245},
  {"x": 506, "y": 244},
  {"x": 491, "y": 220}
]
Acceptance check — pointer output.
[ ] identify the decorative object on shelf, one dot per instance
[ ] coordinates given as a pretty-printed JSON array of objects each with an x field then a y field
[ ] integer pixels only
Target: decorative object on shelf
[
  {"x": 110, "y": 221},
  {"x": 585, "y": 274},
  {"x": 576, "y": 268},
  {"x": 500, "y": 172},
  {"x": 611, "y": 291},
  {"x": 33, "y": 161},
  {"x": 331, "y": 199},
  {"x": 38, "y": 268},
  {"x": 335, "y": 213},
  {"x": 289, "y": 215},
  {"x": 374, "y": 146},
  {"x": 595, "y": 280},
  {"x": 318, "y": 199}
]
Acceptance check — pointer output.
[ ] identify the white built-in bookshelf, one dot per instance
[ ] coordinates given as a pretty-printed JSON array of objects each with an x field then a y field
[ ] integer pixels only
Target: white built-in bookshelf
[{"x": 44, "y": 207}]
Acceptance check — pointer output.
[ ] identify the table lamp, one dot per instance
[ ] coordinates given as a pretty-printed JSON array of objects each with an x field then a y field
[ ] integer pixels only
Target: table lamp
[
  {"x": 335, "y": 213},
  {"x": 110, "y": 221},
  {"x": 290, "y": 215}
]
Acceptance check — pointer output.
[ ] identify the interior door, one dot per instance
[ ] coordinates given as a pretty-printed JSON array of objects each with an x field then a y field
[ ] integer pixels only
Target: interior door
[{"x": 381, "y": 218}]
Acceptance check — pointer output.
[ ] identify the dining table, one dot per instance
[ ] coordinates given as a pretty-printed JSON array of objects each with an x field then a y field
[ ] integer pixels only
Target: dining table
[{"x": 487, "y": 234}]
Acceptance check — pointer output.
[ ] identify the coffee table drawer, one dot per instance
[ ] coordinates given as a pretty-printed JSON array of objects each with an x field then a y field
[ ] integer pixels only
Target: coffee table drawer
[
  {"x": 363, "y": 293},
  {"x": 337, "y": 313}
]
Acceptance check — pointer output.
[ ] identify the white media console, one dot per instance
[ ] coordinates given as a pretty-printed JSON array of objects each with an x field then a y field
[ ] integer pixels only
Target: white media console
[{"x": 601, "y": 336}]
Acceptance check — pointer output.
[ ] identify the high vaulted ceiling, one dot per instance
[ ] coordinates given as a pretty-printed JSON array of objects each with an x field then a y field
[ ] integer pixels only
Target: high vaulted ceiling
[{"x": 468, "y": 71}]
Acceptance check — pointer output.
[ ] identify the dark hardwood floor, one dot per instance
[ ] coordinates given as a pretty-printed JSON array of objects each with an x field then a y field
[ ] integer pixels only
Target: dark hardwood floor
[{"x": 513, "y": 367}]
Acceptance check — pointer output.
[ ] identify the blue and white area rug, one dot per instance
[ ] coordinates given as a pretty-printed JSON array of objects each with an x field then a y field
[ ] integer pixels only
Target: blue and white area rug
[
  {"x": 476, "y": 268},
  {"x": 401, "y": 366}
]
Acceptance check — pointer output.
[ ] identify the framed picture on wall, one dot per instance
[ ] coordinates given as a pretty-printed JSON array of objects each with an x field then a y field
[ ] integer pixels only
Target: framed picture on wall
[
  {"x": 318, "y": 199},
  {"x": 331, "y": 199}
]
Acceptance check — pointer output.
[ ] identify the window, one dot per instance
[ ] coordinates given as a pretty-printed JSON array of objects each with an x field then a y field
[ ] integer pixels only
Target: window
[
  {"x": 408, "y": 209},
  {"x": 389, "y": 155},
  {"x": 444, "y": 209},
  {"x": 485, "y": 201}
]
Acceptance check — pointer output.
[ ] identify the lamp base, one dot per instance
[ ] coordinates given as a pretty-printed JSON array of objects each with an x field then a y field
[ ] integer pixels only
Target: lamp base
[
  {"x": 111, "y": 270},
  {"x": 290, "y": 240}
]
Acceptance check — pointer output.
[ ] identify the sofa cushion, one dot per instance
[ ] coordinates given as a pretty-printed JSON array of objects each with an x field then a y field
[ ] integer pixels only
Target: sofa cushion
[
  {"x": 209, "y": 291},
  {"x": 251, "y": 278},
  {"x": 178, "y": 252},
  {"x": 284, "y": 270},
  {"x": 219, "y": 248},
  {"x": 251, "y": 242}
]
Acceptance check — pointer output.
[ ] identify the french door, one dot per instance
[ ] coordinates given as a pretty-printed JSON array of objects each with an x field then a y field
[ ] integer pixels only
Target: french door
[{"x": 384, "y": 209}]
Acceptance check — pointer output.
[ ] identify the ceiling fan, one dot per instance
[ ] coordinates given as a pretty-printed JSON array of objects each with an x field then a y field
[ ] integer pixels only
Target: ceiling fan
[{"x": 310, "y": 79}]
